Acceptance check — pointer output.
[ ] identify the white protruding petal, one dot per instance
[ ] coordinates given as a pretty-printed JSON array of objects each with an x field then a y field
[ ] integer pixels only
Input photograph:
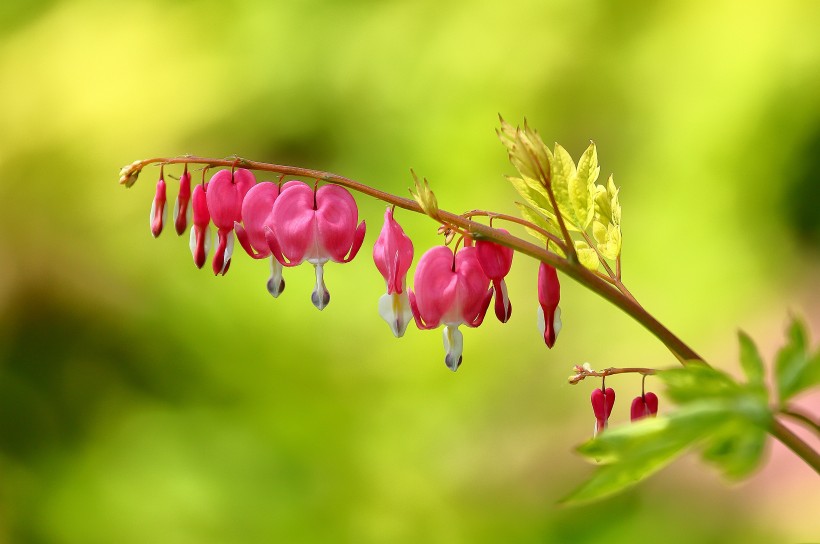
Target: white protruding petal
[
  {"x": 542, "y": 324},
  {"x": 192, "y": 241},
  {"x": 320, "y": 296},
  {"x": 454, "y": 345},
  {"x": 395, "y": 310},
  {"x": 176, "y": 209},
  {"x": 556, "y": 323},
  {"x": 228, "y": 249},
  {"x": 208, "y": 240},
  {"x": 276, "y": 284},
  {"x": 151, "y": 217}
]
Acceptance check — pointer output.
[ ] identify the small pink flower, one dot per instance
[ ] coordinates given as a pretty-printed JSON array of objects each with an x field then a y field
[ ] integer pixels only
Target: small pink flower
[
  {"x": 257, "y": 214},
  {"x": 182, "y": 212},
  {"x": 602, "y": 402},
  {"x": 496, "y": 261},
  {"x": 644, "y": 406},
  {"x": 549, "y": 294},
  {"x": 315, "y": 225},
  {"x": 453, "y": 290},
  {"x": 200, "y": 242},
  {"x": 226, "y": 190},
  {"x": 393, "y": 255},
  {"x": 159, "y": 211}
]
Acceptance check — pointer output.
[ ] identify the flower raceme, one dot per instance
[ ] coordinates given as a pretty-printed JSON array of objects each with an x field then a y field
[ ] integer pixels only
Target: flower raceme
[
  {"x": 225, "y": 193},
  {"x": 496, "y": 261},
  {"x": 393, "y": 255},
  {"x": 314, "y": 225},
  {"x": 450, "y": 289}
]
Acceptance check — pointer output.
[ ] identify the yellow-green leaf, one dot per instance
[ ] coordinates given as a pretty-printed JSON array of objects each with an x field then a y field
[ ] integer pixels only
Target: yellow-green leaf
[
  {"x": 586, "y": 255},
  {"x": 562, "y": 171},
  {"x": 526, "y": 150},
  {"x": 532, "y": 192},
  {"x": 535, "y": 217},
  {"x": 582, "y": 186}
]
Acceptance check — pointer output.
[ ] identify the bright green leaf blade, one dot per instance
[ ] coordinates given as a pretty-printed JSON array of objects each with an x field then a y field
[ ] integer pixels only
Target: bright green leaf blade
[
  {"x": 562, "y": 171},
  {"x": 532, "y": 192},
  {"x": 581, "y": 186},
  {"x": 697, "y": 381},
  {"x": 793, "y": 367},
  {"x": 586, "y": 255},
  {"x": 538, "y": 219},
  {"x": 737, "y": 449},
  {"x": 750, "y": 360}
]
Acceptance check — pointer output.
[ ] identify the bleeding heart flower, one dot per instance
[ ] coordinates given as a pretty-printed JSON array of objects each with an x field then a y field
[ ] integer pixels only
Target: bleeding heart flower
[
  {"x": 225, "y": 193},
  {"x": 496, "y": 261},
  {"x": 453, "y": 290},
  {"x": 257, "y": 214},
  {"x": 159, "y": 211},
  {"x": 549, "y": 294},
  {"x": 644, "y": 406},
  {"x": 315, "y": 226},
  {"x": 602, "y": 402},
  {"x": 182, "y": 213},
  {"x": 200, "y": 242},
  {"x": 393, "y": 255}
]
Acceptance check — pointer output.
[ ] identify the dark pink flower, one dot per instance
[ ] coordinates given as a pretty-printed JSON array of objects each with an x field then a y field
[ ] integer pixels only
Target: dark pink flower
[
  {"x": 549, "y": 294},
  {"x": 644, "y": 406},
  {"x": 257, "y": 214},
  {"x": 200, "y": 241},
  {"x": 451, "y": 290},
  {"x": 393, "y": 255},
  {"x": 159, "y": 211},
  {"x": 182, "y": 212},
  {"x": 315, "y": 225},
  {"x": 496, "y": 261},
  {"x": 226, "y": 190},
  {"x": 602, "y": 402}
]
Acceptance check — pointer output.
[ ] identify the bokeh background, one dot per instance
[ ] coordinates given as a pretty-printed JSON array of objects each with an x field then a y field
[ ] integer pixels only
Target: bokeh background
[{"x": 142, "y": 400}]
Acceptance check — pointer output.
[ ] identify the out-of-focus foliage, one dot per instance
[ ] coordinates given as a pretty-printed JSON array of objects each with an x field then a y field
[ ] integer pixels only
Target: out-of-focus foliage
[{"x": 142, "y": 400}]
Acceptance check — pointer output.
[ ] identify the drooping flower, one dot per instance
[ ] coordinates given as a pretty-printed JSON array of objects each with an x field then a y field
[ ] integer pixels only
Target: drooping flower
[
  {"x": 496, "y": 261},
  {"x": 602, "y": 402},
  {"x": 315, "y": 225},
  {"x": 182, "y": 212},
  {"x": 225, "y": 193},
  {"x": 549, "y": 294},
  {"x": 393, "y": 255},
  {"x": 257, "y": 213},
  {"x": 451, "y": 289},
  {"x": 200, "y": 241},
  {"x": 159, "y": 211},
  {"x": 643, "y": 406}
]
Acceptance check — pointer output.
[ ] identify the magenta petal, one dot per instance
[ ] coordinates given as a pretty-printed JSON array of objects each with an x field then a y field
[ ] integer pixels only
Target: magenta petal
[
  {"x": 435, "y": 284},
  {"x": 225, "y": 194},
  {"x": 638, "y": 409},
  {"x": 222, "y": 255},
  {"x": 503, "y": 306},
  {"x": 293, "y": 222},
  {"x": 393, "y": 253},
  {"x": 257, "y": 213},
  {"x": 495, "y": 259},
  {"x": 473, "y": 293},
  {"x": 183, "y": 199},
  {"x": 336, "y": 217},
  {"x": 200, "y": 206},
  {"x": 358, "y": 238},
  {"x": 244, "y": 241},
  {"x": 651, "y": 400},
  {"x": 414, "y": 308},
  {"x": 158, "y": 209}
]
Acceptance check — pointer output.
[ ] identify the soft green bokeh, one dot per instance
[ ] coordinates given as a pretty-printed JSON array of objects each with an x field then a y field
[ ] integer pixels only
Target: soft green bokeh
[{"x": 142, "y": 400}]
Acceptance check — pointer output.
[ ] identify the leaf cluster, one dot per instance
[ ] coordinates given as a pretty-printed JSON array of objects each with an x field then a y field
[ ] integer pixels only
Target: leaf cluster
[{"x": 552, "y": 184}]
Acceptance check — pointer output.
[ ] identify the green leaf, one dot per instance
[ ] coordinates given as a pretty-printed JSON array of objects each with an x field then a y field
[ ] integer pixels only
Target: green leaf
[
  {"x": 696, "y": 381},
  {"x": 533, "y": 193},
  {"x": 586, "y": 255},
  {"x": 737, "y": 449},
  {"x": 562, "y": 171},
  {"x": 535, "y": 217},
  {"x": 581, "y": 187},
  {"x": 795, "y": 371},
  {"x": 750, "y": 360},
  {"x": 526, "y": 150},
  {"x": 606, "y": 224}
]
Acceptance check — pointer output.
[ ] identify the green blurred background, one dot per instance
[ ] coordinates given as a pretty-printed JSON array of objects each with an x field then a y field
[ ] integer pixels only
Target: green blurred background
[{"x": 142, "y": 400}]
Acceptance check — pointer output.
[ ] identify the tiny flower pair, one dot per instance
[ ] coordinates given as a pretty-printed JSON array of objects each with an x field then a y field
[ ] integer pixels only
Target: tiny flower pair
[{"x": 603, "y": 399}]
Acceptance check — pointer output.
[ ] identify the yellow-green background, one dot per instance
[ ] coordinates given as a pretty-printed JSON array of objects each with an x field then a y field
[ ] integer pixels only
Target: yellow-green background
[{"x": 144, "y": 401}]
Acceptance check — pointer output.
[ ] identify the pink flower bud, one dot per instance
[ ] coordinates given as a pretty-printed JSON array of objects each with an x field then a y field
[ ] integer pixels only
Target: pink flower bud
[
  {"x": 159, "y": 211},
  {"x": 451, "y": 290},
  {"x": 393, "y": 255},
  {"x": 644, "y": 406},
  {"x": 182, "y": 212},
  {"x": 314, "y": 226},
  {"x": 226, "y": 190},
  {"x": 496, "y": 261},
  {"x": 549, "y": 294},
  {"x": 200, "y": 242},
  {"x": 602, "y": 402}
]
